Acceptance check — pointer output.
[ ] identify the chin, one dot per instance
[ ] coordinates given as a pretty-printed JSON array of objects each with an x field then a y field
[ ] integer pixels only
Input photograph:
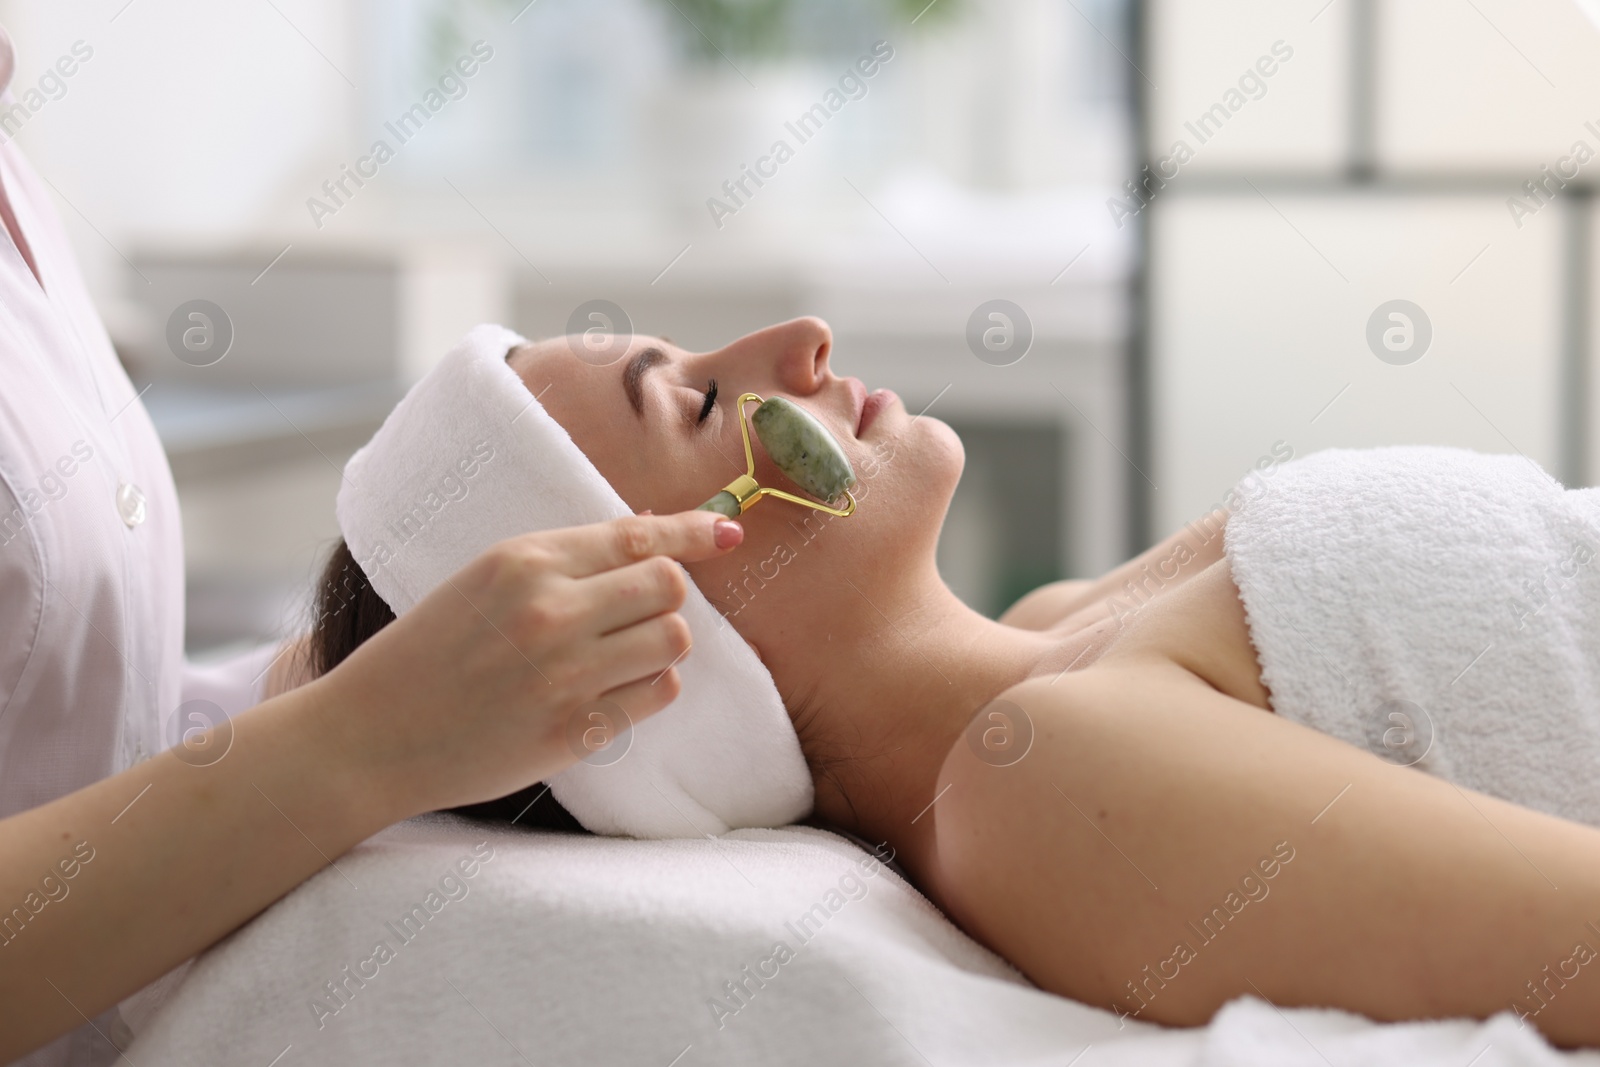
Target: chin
[
  {"x": 934, "y": 452},
  {"x": 947, "y": 444},
  {"x": 910, "y": 479},
  {"x": 946, "y": 457}
]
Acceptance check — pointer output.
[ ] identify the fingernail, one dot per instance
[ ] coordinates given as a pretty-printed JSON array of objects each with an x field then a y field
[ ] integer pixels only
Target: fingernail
[
  {"x": 728, "y": 533},
  {"x": 646, "y": 511}
]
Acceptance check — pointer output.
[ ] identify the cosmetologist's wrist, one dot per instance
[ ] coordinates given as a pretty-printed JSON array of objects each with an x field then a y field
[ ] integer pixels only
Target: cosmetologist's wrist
[{"x": 334, "y": 725}]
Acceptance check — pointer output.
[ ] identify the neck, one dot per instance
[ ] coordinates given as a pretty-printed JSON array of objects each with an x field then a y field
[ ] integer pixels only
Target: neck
[{"x": 901, "y": 688}]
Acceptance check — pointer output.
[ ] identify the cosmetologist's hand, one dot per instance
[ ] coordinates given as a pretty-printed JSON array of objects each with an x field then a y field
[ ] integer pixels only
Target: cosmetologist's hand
[{"x": 473, "y": 693}]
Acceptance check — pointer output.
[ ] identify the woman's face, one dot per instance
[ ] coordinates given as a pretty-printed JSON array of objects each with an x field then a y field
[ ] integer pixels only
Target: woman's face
[{"x": 638, "y": 419}]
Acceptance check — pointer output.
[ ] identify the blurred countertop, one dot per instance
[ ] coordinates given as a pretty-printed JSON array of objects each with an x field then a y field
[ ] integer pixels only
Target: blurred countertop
[{"x": 216, "y": 430}]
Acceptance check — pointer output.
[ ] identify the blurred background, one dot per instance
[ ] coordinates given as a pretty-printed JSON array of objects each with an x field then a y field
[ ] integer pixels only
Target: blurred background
[{"x": 1130, "y": 249}]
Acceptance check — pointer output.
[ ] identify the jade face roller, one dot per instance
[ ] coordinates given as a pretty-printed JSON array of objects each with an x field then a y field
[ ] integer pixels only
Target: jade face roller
[{"x": 801, "y": 447}]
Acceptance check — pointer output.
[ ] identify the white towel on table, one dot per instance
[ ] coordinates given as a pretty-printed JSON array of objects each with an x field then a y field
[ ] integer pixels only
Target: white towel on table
[
  {"x": 562, "y": 949},
  {"x": 1437, "y": 606},
  {"x": 1249, "y": 1032}
]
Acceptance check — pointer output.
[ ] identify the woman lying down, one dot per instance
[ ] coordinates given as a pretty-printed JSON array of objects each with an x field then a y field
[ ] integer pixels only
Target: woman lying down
[{"x": 1340, "y": 747}]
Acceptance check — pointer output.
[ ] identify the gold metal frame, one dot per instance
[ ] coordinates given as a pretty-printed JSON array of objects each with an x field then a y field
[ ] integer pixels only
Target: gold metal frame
[{"x": 745, "y": 488}]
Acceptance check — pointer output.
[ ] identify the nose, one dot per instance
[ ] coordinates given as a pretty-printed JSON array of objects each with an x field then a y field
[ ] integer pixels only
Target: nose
[{"x": 791, "y": 356}]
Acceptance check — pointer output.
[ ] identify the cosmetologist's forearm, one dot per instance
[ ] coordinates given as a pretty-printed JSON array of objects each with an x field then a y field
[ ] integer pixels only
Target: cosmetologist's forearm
[{"x": 106, "y": 889}]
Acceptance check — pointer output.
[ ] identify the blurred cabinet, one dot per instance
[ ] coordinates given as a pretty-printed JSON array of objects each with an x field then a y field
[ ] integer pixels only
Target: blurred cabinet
[
  {"x": 310, "y": 320},
  {"x": 312, "y": 352}
]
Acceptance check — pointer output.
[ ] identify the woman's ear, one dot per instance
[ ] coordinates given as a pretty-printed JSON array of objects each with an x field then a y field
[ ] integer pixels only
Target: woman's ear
[{"x": 757, "y": 650}]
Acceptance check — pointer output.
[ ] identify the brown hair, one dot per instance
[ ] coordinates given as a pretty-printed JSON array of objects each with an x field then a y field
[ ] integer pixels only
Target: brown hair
[{"x": 347, "y": 611}]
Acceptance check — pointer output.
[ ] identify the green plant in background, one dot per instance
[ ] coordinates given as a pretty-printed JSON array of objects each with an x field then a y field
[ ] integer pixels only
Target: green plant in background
[
  {"x": 447, "y": 34},
  {"x": 735, "y": 27},
  {"x": 712, "y": 29},
  {"x": 708, "y": 31}
]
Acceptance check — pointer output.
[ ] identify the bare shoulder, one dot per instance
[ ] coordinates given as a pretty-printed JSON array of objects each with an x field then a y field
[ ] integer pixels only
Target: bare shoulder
[
  {"x": 1164, "y": 565},
  {"x": 1008, "y": 779},
  {"x": 1033, "y": 734},
  {"x": 1148, "y": 812},
  {"x": 1041, "y": 738},
  {"x": 1048, "y": 604},
  {"x": 1020, "y": 821}
]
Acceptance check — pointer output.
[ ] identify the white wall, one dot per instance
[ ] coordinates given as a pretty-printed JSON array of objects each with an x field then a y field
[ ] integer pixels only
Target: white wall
[
  {"x": 1271, "y": 248},
  {"x": 1257, "y": 333},
  {"x": 189, "y": 122},
  {"x": 1199, "y": 50}
]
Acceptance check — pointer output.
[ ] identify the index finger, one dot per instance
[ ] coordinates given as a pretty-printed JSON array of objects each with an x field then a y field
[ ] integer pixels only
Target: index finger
[{"x": 688, "y": 536}]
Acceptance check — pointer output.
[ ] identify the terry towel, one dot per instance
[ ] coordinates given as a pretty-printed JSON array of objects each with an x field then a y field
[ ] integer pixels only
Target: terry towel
[
  {"x": 468, "y": 458},
  {"x": 1436, "y": 606},
  {"x": 584, "y": 950}
]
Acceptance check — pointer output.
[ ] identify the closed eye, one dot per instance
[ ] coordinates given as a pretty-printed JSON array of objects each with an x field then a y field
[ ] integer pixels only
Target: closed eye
[{"x": 711, "y": 400}]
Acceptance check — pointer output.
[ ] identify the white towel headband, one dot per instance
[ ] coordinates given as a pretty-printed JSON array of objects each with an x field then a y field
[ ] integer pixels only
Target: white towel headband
[{"x": 468, "y": 458}]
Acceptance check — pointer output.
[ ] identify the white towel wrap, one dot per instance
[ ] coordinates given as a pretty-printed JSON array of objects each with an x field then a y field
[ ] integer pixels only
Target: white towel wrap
[
  {"x": 468, "y": 458},
  {"x": 1465, "y": 584}
]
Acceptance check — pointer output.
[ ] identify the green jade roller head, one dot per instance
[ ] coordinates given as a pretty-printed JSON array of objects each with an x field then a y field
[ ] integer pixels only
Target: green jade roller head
[{"x": 801, "y": 447}]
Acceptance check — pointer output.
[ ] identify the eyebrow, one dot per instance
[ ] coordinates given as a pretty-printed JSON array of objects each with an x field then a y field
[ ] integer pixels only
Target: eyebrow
[{"x": 633, "y": 376}]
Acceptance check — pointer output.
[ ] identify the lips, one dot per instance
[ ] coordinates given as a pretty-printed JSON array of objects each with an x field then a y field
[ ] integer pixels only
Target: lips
[
  {"x": 858, "y": 401},
  {"x": 874, "y": 406}
]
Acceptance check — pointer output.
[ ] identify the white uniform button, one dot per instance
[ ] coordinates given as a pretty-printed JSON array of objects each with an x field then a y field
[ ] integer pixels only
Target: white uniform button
[{"x": 130, "y": 504}]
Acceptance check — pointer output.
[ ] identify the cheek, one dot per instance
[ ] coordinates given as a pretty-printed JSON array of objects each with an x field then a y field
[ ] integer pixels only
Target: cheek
[
  {"x": 680, "y": 469},
  {"x": 646, "y": 471},
  {"x": 668, "y": 481},
  {"x": 683, "y": 473}
]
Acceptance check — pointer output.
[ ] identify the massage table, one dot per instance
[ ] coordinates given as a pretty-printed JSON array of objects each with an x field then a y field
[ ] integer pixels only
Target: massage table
[{"x": 792, "y": 946}]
